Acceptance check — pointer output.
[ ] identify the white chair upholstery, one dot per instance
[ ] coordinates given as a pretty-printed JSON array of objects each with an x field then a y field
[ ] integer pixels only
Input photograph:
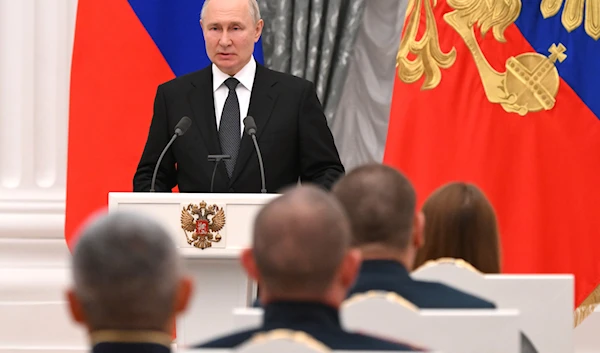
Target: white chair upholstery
[
  {"x": 545, "y": 302},
  {"x": 247, "y": 318},
  {"x": 451, "y": 331},
  {"x": 586, "y": 335}
]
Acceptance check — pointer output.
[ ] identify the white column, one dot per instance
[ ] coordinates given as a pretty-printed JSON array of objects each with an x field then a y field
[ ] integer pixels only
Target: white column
[
  {"x": 36, "y": 44},
  {"x": 36, "y": 40}
]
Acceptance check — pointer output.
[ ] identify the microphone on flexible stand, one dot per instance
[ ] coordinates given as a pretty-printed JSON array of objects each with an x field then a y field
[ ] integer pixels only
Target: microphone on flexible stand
[
  {"x": 217, "y": 158},
  {"x": 181, "y": 128},
  {"x": 250, "y": 129}
]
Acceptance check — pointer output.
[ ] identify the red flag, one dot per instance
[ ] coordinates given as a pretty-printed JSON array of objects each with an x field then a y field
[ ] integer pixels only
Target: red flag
[
  {"x": 502, "y": 94},
  {"x": 116, "y": 69}
]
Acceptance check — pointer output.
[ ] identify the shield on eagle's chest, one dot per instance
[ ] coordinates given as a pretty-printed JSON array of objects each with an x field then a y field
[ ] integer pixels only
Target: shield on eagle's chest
[{"x": 202, "y": 227}]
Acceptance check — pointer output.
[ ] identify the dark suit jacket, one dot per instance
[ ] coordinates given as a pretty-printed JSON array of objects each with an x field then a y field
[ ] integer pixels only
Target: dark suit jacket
[
  {"x": 391, "y": 276},
  {"x": 292, "y": 132},
  {"x": 114, "y": 347},
  {"x": 318, "y": 320}
]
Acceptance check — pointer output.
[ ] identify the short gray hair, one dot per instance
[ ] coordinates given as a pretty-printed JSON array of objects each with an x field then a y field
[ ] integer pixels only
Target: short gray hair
[
  {"x": 252, "y": 5},
  {"x": 126, "y": 270}
]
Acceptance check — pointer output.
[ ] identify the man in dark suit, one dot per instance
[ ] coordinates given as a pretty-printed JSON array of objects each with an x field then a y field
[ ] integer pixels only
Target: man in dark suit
[
  {"x": 128, "y": 285},
  {"x": 386, "y": 227},
  {"x": 302, "y": 260},
  {"x": 292, "y": 130}
]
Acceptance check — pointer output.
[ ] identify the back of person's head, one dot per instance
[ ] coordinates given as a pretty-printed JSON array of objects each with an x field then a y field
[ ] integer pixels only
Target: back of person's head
[
  {"x": 127, "y": 275},
  {"x": 381, "y": 205},
  {"x": 461, "y": 223},
  {"x": 301, "y": 248}
]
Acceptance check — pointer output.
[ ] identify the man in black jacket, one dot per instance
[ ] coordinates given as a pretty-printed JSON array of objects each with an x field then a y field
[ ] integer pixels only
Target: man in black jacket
[
  {"x": 301, "y": 259},
  {"x": 128, "y": 285},
  {"x": 292, "y": 130},
  {"x": 388, "y": 230}
]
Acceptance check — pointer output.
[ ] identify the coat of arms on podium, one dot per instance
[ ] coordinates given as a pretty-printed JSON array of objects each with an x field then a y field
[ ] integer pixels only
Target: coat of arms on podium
[{"x": 201, "y": 224}]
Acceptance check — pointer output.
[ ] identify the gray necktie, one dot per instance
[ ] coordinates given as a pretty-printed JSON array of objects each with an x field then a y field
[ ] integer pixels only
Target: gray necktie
[{"x": 229, "y": 128}]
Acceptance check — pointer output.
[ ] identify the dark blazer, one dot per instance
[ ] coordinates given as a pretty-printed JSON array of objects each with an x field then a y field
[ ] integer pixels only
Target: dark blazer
[
  {"x": 292, "y": 132},
  {"x": 391, "y": 276},
  {"x": 114, "y": 347},
  {"x": 318, "y": 320}
]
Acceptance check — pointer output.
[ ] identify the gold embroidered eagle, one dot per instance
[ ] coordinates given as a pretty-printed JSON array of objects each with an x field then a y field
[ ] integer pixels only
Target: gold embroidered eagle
[
  {"x": 424, "y": 57},
  {"x": 530, "y": 82},
  {"x": 201, "y": 224},
  {"x": 573, "y": 14}
]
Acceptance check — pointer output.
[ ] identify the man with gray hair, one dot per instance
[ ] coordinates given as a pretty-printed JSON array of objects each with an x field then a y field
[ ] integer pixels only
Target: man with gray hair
[
  {"x": 302, "y": 261},
  {"x": 128, "y": 284},
  {"x": 291, "y": 127}
]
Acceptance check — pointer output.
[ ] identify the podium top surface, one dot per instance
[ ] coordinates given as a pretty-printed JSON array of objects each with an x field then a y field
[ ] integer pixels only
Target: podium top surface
[{"x": 171, "y": 196}]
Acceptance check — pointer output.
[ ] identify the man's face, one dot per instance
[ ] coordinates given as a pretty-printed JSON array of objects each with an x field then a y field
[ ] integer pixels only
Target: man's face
[{"x": 230, "y": 33}]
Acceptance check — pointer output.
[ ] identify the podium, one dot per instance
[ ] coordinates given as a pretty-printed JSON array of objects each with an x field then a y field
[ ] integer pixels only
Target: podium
[{"x": 210, "y": 231}]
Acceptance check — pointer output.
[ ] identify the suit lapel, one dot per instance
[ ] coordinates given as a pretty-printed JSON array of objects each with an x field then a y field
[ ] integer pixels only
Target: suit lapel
[
  {"x": 203, "y": 104},
  {"x": 262, "y": 100}
]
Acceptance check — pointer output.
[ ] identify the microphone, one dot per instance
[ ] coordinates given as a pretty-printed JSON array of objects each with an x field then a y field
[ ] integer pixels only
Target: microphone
[
  {"x": 217, "y": 158},
  {"x": 250, "y": 129},
  {"x": 181, "y": 128}
]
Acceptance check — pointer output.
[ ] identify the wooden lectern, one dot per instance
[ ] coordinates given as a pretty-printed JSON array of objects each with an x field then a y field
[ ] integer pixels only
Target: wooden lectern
[{"x": 210, "y": 250}]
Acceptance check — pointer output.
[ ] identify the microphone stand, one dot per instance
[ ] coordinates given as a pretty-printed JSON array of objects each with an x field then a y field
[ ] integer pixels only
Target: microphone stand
[
  {"x": 260, "y": 163},
  {"x": 217, "y": 158},
  {"x": 162, "y": 155}
]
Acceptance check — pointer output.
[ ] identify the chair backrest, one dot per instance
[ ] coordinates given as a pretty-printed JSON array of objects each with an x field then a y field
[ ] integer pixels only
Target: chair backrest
[
  {"x": 247, "y": 318},
  {"x": 545, "y": 302},
  {"x": 585, "y": 336},
  {"x": 452, "y": 331},
  {"x": 53, "y": 330}
]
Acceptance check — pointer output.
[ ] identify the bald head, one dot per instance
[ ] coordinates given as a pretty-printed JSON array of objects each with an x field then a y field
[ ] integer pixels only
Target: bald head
[
  {"x": 126, "y": 273},
  {"x": 300, "y": 240},
  {"x": 380, "y": 203}
]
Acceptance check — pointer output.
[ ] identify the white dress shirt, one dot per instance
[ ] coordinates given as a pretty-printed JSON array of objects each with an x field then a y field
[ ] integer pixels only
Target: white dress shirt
[{"x": 243, "y": 90}]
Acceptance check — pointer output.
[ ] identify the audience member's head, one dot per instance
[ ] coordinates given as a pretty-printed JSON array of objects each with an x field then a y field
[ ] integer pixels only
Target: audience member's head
[
  {"x": 301, "y": 249},
  {"x": 461, "y": 223},
  {"x": 127, "y": 276},
  {"x": 381, "y": 205}
]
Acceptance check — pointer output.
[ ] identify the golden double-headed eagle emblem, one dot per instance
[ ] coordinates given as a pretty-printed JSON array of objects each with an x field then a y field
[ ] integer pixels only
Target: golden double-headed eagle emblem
[
  {"x": 201, "y": 223},
  {"x": 530, "y": 82}
]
